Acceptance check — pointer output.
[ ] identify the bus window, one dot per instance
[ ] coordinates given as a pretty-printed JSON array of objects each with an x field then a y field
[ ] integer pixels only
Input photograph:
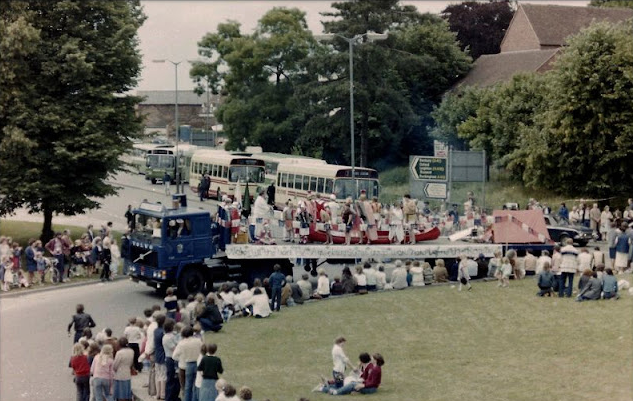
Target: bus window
[
  {"x": 290, "y": 180},
  {"x": 313, "y": 184},
  {"x": 280, "y": 180},
  {"x": 271, "y": 167},
  {"x": 225, "y": 172},
  {"x": 298, "y": 180},
  {"x": 306, "y": 183},
  {"x": 320, "y": 186},
  {"x": 214, "y": 170},
  {"x": 329, "y": 187}
]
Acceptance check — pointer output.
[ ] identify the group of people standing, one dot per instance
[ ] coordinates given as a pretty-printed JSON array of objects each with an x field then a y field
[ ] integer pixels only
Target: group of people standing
[
  {"x": 90, "y": 253},
  {"x": 358, "y": 221},
  {"x": 600, "y": 221}
]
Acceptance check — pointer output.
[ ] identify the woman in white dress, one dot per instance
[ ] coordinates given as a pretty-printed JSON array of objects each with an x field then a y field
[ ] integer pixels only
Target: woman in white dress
[
  {"x": 396, "y": 230},
  {"x": 605, "y": 221}
]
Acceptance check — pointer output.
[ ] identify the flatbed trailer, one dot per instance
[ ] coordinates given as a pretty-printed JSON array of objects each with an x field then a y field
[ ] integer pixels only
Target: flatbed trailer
[
  {"x": 177, "y": 246},
  {"x": 434, "y": 250}
]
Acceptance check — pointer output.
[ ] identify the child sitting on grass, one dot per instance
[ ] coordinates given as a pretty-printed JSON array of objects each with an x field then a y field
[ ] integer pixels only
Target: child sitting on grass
[
  {"x": 545, "y": 281},
  {"x": 609, "y": 285}
]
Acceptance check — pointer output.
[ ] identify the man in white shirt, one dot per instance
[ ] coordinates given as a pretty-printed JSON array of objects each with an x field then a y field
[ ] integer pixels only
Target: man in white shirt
[
  {"x": 340, "y": 361},
  {"x": 568, "y": 266},
  {"x": 370, "y": 275},
  {"x": 335, "y": 209},
  {"x": 261, "y": 213},
  {"x": 585, "y": 260},
  {"x": 529, "y": 263},
  {"x": 306, "y": 286},
  {"x": 399, "y": 276},
  {"x": 186, "y": 353}
]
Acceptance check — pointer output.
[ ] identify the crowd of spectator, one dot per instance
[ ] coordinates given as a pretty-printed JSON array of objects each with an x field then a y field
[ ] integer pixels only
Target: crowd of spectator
[{"x": 92, "y": 253}]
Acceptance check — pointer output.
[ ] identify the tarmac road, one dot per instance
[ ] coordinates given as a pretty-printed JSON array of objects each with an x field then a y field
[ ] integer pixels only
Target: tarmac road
[{"x": 34, "y": 345}]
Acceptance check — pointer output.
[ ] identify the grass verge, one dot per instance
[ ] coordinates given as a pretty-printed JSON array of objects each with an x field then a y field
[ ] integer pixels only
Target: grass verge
[
  {"x": 497, "y": 191},
  {"x": 21, "y": 231},
  {"x": 440, "y": 344}
]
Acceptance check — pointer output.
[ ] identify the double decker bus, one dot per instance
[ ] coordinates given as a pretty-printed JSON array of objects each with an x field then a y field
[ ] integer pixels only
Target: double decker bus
[
  {"x": 226, "y": 171},
  {"x": 296, "y": 180}
]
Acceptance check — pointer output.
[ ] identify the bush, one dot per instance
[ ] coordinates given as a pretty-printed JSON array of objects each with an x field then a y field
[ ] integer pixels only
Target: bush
[{"x": 394, "y": 176}]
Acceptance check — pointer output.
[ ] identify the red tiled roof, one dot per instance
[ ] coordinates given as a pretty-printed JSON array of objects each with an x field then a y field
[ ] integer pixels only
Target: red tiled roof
[
  {"x": 490, "y": 69},
  {"x": 553, "y": 24}
]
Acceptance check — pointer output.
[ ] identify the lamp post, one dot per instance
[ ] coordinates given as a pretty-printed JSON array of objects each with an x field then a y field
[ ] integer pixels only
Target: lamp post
[
  {"x": 351, "y": 42},
  {"x": 177, "y": 159},
  {"x": 207, "y": 112}
]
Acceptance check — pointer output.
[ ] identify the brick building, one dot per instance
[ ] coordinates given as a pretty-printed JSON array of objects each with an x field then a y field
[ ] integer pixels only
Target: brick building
[
  {"x": 534, "y": 37},
  {"x": 158, "y": 109}
]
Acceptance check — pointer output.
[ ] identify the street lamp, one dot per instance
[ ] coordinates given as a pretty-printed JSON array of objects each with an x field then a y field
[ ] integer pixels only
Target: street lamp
[
  {"x": 351, "y": 42},
  {"x": 177, "y": 170},
  {"x": 207, "y": 112}
]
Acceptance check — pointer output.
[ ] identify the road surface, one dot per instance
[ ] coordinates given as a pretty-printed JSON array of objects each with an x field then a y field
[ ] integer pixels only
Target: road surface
[{"x": 34, "y": 345}]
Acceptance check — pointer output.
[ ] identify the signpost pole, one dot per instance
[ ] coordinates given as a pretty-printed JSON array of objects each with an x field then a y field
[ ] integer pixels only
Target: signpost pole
[
  {"x": 483, "y": 181},
  {"x": 450, "y": 176}
]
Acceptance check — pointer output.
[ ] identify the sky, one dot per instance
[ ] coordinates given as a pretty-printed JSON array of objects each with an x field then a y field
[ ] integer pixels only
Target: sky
[{"x": 173, "y": 28}]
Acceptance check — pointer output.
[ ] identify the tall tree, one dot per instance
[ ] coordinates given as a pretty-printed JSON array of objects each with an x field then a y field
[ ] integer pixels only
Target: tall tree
[
  {"x": 583, "y": 143},
  {"x": 456, "y": 107},
  {"x": 68, "y": 118},
  {"x": 480, "y": 26},
  {"x": 498, "y": 122},
  {"x": 258, "y": 74},
  {"x": 396, "y": 81}
]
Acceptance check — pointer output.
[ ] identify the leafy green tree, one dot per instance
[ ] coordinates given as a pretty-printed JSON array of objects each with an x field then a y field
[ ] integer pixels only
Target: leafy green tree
[
  {"x": 503, "y": 112},
  {"x": 480, "y": 26},
  {"x": 396, "y": 81},
  {"x": 257, "y": 73},
  {"x": 65, "y": 117},
  {"x": 583, "y": 142},
  {"x": 611, "y": 3},
  {"x": 456, "y": 107}
]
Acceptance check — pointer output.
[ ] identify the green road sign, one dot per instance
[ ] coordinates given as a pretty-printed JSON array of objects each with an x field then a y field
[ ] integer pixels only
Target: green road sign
[{"x": 427, "y": 168}]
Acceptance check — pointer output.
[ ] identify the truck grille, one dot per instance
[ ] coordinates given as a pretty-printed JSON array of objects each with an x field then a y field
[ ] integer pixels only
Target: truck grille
[{"x": 150, "y": 259}]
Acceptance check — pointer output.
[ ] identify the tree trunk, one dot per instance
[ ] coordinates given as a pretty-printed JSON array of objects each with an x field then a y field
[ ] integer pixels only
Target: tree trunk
[{"x": 47, "y": 229}]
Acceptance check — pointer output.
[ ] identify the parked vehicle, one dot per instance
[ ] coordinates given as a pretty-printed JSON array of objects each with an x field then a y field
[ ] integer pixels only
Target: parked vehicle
[{"x": 560, "y": 230}]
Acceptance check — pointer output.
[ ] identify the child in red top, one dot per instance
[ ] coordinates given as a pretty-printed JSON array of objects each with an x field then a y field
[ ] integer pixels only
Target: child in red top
[{"x": 81, "y": 370}]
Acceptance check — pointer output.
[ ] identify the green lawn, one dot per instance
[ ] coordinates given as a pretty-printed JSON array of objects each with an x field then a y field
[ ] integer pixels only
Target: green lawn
[{"x": 440, "y": 344}]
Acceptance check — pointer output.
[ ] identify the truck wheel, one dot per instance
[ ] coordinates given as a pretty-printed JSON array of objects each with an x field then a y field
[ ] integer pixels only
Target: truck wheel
[
  {"x": 191, "y": 282},
  {"x": 153, "y": 180}
]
